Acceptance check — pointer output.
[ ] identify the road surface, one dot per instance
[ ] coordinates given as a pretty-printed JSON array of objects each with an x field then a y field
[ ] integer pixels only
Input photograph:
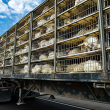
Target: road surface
[{"x": 42, "y": 103}]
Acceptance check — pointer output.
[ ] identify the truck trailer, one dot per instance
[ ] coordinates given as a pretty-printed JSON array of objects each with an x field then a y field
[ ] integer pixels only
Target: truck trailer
[{"x": 62, "y": 47}]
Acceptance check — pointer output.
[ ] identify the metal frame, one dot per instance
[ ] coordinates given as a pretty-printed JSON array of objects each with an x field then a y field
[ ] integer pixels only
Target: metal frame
[
  {"x": 104, "y": 74},
  {"x": 55, "y": 33},
  {"x": 14, "y": 49},
  {"x": 104, "y": 63},
  {"x": 5, "y": 52},
  {"x": 30, "y": 42}
]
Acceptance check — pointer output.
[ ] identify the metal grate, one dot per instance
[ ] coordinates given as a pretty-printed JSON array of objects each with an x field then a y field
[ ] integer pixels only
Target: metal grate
[
  {"x": 21, "y": 69},
  {"x": 84, "y": 64},
  {"x": 106, "y": 3},
  {"x": 42, "y": 68},
  {"x": 8, "y": 70},
  {"x": 77, "y": 30},
  {"x": 90, "y": 43}
]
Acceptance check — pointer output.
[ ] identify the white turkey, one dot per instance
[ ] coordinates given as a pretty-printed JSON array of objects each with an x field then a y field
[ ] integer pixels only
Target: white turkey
[
  {"x": 52, "y": 16},
  {"x": 37, "y": 69},
  {"x": 1, "y": 64},
  {"x": 75, "y": 68},
  {"x": 77, "y": 2},
  {"x": 67, "y": 21},
  {"x": 26, "y": 49},
  {"x": 50, "y": 27},
  {"x": 43, "y": 43},
  {"x": 51, "y": 55},
  {"x": 47, "y": 69},
  {"x": 23, "y": 59},
  {"x": 43, "y": 57},
  {"x": 92, "y": 66},
  {"x": 90, "y": 43},
  {"x": 24, "y": 70},
  {"x": 37, "y": 34},
  {"x": 1, "y": 57},
  {"x": 26, "y": 30},
  {"x": 10, "y": 54},
  {"x": 40, "y": 22},
  {"x": 76, "y": 19},
  {"x": 51, "y": 41},
  {"x": 27, "y": 21},
  {"x": 2, "y": 38},
  {"x": 81, "y": 32},
  {"x": 12, "y": 39},
  {"x": 45, "y": 9},
  {"x": 74, "y": 51},
  {"x": 19, "y": 42},
  {"x": 10, "y": 48}
]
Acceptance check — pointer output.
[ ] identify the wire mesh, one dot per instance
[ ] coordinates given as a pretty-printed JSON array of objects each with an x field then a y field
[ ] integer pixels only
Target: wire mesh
[
  {"x": 78, "y": 30},
  {"x": 77, "y": 12},
  {"x": 2, "y": 50},
  {"x": 10, "y": 47},
  {"x": 11, "y": 31},
  {"x": 43, "y": 42},
  {"x": 2, "y": 44},
  {"x": 22, "y": 40},
  {"x": 21, "y": 69},
  {"x": 2, "y": 38},
  {"x": 44, "y": 68},
  {"x": 23, "y": 31},
  {"x": 8, "y": 70},
  {"x": 21, "y": 59},
  {"x": 22, "y": 50},
  {"x": 1, "y": 63},
  {"x": 42, "y": 55},
  {"x": 24, "y": 22},
  {"x": 10, "y": 39},
  {"x": 106, "y": 3},
  {"x": 9, "y": 54},
  {"x": 8, "y": 62},
  {"x": 107, "y": 18},
  {"x": 90, "y": 43},
  {"x": 43, "y": 9},
  {"x": 90, "y": 63},
  {"x": 1, "y": 57}
]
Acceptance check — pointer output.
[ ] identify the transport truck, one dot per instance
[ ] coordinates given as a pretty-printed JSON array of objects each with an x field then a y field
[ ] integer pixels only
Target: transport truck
[{"x": 62, "y": 47}]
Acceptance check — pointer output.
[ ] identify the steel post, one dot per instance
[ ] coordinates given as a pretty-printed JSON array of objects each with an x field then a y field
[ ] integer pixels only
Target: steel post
[
  {"x": 14, "y": 49},
  {"x": 30, "y": 42},
  {"x": 104, "y": 73},
  {"x": 55, "y": 36},
  {"x": 5, "y": 53}
]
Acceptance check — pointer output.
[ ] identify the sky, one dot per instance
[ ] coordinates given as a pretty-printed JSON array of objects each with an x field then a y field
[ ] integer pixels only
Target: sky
[{"x": 11, "y": 11}]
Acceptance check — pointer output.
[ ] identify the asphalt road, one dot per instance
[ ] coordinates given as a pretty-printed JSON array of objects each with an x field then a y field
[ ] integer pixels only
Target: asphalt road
[{"x": 35, "y": 104}]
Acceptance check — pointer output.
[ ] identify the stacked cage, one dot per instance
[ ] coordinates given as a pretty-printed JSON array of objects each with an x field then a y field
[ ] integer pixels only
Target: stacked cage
[
  {"x": 22, "y": 46},
  {"x": 2, "y": 52},
  {"x": 30, "y": 46},
  {"x": 78, "y": 37},
  {"x": 42, "y": 49},
  {"x": 9, "y": 51}
]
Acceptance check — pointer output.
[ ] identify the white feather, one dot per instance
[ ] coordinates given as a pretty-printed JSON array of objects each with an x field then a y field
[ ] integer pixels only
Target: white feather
[{"x": 36, "y": 69}]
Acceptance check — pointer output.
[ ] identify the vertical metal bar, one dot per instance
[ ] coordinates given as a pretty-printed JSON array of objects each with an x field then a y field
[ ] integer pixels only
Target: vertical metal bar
[
  {"x": 55, "y": 36},
  {"x": 30, "y": 42},
  {"x": 14, "y": 49},
  {"x": 104, "y": 73},
  {"x": 5, "y": 53}
]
